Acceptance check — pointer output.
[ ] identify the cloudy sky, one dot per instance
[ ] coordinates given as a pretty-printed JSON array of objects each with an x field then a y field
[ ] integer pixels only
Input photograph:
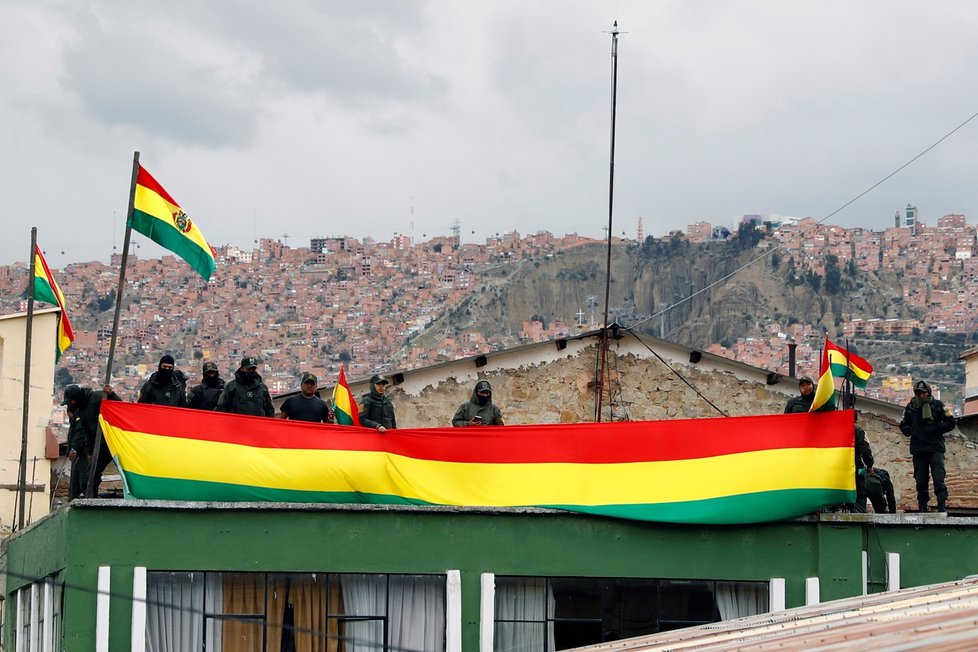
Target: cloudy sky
[{"x": 310, "y": 118}]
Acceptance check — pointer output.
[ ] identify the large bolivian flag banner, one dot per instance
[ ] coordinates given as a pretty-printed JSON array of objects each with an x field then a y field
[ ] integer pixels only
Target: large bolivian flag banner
[{"x": 709, "y": 471}]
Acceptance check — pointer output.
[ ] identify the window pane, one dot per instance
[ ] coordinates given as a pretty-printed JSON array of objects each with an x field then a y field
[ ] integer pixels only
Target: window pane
[
  {"x": 243, "y": 593},
  {"x": 688, "y": 602},
  {"x": 521, "y": 598},
  {"x": 239, "y": 634},
  {"x": 631, "y": 608},
  {"x": 174, "y": 611},
  {"x": 22, "y": 625},
  {"x": 304, "y": 612},
  {"x": 519, "y": 637},
  {"x": 363, "y": 635},
  {"x": 56, "y": 625},
  {"x": 568, "y": 635},
  {"x": 364, "y": 595},
  {"x": 577, "y": 598},
  {"x": 365, "y": 607},
  {"x": 416, "y": 612},
  {"x": 739, "y": 599}
]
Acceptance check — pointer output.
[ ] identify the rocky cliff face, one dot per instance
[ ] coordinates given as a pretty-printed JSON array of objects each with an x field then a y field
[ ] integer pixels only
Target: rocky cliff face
[{"x": 673, "y": 275}]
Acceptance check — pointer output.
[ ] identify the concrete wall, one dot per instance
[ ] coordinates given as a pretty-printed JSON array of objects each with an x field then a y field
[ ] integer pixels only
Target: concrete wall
[{"x": 13, "y": 330}]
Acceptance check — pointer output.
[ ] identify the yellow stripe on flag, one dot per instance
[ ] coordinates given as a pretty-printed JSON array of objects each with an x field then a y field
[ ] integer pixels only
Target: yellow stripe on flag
[{"x": 457, "y": 483}]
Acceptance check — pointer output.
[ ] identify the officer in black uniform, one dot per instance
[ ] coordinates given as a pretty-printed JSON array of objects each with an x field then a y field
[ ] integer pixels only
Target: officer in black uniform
[{"x": 246, "y": 393}]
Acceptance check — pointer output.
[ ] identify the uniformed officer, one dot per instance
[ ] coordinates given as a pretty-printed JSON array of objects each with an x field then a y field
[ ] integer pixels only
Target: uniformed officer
[{"x": 246, "y": 393}]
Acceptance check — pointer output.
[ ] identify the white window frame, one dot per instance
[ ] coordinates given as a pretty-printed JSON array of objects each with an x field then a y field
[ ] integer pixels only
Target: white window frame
[
  {"x": 37, "y": 624},
  {"x": 453, "y": 607}
]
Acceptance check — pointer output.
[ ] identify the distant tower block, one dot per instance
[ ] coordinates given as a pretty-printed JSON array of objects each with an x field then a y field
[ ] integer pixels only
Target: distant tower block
[
  {"x": 911, "y": 221},
  {"x": 456, "y": 230},
  {"x": 638, "y": 234}
]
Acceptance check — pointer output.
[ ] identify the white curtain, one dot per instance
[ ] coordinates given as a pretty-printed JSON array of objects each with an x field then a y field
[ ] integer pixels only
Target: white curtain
[
  {"x": 523, "y": 599},
  {"x": 174, "y": 612},
  {"x": 417, "y": 612},
  {"x": 214, "y": 604},
  {"x": 364, "y": 596},
  {"x": 739, "y": 599}
]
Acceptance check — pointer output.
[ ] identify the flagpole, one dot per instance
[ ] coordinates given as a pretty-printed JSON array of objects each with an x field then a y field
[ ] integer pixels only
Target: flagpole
[
  {"x": 848, "y": 400},
  {"x": 601, "y": 385},
  {"x": 90, "y": 487},
  {"x": 22, "y": 470},
  {"x": 122, "y": 268}
]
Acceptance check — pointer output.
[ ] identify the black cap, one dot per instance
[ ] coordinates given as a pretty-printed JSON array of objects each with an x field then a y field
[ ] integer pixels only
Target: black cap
[
  {"x": 167, "y": 359},
  {"x": 309, "y": 378},
  {"x": 806, "y": 379},
  {"x": 483, "y": 386},
  {"x": 210, "y": 366},
  {"x": 377, "y": 379},
  {"x": 249, "y": 361},
  {"x": 919, "y": 386},
  {"x": 72, "y": 392}
]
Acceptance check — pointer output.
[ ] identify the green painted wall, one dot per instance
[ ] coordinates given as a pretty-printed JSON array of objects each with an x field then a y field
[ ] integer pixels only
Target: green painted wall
[{"x": 80, "y": 538}]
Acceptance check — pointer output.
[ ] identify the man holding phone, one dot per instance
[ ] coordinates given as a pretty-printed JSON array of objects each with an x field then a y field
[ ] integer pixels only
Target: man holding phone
[{"x": 479, "y": 410}]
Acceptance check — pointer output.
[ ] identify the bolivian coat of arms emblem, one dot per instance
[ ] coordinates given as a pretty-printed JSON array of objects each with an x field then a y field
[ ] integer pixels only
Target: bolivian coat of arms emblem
[{"x": 182, "y": 221}]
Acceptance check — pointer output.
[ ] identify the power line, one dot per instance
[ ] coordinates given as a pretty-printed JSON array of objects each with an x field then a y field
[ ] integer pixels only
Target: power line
[
  {"x": 797, "y": 236},
  {"x": 678, "y": 375}
]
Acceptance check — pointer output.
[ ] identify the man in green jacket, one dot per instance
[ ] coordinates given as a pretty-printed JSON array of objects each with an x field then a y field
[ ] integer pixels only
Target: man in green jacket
[
  {"x": 926, "y": 421},
  {"x": 802, "y": 402},
  {"x": 377, "y": 411},
  {"x": 478, "y": 410}
]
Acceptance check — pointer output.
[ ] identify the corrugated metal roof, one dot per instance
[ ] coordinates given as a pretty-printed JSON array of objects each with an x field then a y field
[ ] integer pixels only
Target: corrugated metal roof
[{"x": 933, "y": 617}]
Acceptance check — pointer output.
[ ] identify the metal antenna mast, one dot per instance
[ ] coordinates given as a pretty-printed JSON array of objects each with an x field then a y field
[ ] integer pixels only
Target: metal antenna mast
[{"x": 600, "y": 385}]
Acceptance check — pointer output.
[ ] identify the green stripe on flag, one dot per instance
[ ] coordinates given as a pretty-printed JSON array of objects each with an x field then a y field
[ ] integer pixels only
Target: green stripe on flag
[
  {"x": 758, "y": 507},
  {"x": 168, "y": 236}
]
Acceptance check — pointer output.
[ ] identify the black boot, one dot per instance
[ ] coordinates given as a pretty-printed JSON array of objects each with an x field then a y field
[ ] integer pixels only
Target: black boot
[
  {"x": 921, "y": 507},
  {"x": 942, "y": 506}
]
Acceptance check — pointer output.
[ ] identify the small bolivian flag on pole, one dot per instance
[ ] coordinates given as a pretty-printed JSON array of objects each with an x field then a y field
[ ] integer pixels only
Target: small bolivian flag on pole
[
  {"x": 859, "y": 370},
  {"x": 46, "y": 289},
  {"x": 345, "y": 408},
  {"x": 159, "y": 217},
  {"x": 824, "y": 399}
]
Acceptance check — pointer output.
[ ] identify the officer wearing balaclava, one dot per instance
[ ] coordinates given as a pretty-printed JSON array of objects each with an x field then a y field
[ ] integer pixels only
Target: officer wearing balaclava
[{"x": 165, "y": 386}]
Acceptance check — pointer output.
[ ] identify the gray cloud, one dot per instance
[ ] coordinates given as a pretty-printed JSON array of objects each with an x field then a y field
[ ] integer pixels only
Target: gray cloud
[
  {"x": 133, "y": 81},
  {"x": 331, "y": 118}
]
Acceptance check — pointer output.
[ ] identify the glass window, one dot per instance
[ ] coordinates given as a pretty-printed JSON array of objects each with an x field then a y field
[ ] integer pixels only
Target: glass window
[
  {"x": 546, "y": 614},
  {"x": 37, "y": 622},
  {"x": 315, "y": 612}
]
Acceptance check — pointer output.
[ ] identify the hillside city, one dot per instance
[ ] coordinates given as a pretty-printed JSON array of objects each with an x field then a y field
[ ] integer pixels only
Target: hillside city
[{"x": 361, "y": 303}]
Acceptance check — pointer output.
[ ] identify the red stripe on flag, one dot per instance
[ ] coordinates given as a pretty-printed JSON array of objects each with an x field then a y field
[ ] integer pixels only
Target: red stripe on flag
[
  {"x": 145, "y": 179},
  {"x": 65, "y": 323},
  {"x": 854, "y": 360},
  {"x": 584, "y": 443}
]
